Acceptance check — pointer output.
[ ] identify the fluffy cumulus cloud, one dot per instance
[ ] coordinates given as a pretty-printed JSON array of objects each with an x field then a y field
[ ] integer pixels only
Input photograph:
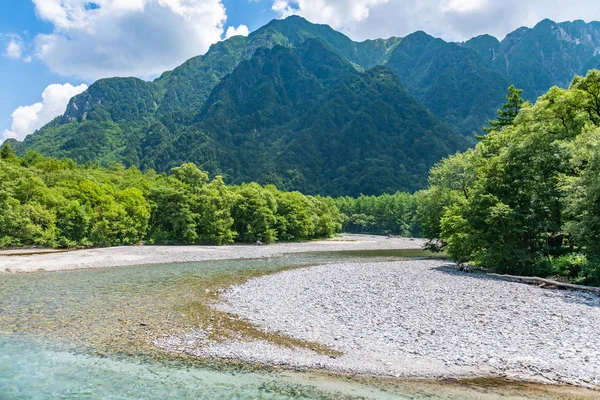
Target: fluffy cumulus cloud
[
  {"x": 340, "y": 14},
  {"x": 240, "y": 30},
  {"x": 27, "y": 119},
  {"x": 14, "y": 48},
  {"x": 101, "y": 38},
  {"x": 450, "y": 19}
]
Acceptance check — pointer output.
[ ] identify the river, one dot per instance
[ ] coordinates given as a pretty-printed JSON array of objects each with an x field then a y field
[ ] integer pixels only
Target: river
[{"x": 88, "y": 334}]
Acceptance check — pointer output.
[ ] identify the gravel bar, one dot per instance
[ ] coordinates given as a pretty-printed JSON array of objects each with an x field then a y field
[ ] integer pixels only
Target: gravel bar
[
  {"x": 145, "y": 255},
  {"x": 414, "y": 318}
]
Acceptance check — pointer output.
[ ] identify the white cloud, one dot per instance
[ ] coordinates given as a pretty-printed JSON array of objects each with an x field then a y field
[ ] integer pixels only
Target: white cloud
[
  {"x": 27, "y": 119},
  {"x": 240, "y": 30},
  {"x": 339, "y": 14},
  {"x": 450, "y": 19},
  {"x": 14, "y": 48},
  {"x": 141, "y": 38}
]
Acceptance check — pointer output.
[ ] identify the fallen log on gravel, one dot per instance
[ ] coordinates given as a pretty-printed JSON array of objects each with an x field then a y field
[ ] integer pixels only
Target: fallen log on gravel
[{"x": 535, "y": 279}]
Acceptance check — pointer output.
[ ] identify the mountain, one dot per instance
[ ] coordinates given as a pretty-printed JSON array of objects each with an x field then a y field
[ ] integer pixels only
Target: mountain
[
  {"x": 305, "y": 107},
  {"x": 550, "y": 53},
  {"x": 305, "y": 118},
  {"x": 454, "y": 82}
]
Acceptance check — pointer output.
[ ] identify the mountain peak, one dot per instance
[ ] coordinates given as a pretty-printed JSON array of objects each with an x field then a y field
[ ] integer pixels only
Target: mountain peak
[
  {"x": 292, "y": 22},
  {"x": 544, "y": 23},
  {"x": 484, "y": 39},
  {"x": 419, "y": 37},
  {"x": 420, "y": 34},
  {"x": 296, "y": 18}
]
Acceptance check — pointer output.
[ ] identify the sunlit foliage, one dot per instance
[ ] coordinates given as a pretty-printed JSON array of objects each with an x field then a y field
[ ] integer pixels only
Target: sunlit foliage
[
  {"x": 57, "y": 203},
  {"x": 526, "y": 199}
]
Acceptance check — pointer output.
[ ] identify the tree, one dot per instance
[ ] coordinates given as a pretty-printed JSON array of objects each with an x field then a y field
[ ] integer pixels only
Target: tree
[
  {"x": 590, "y": 84},
  {"x": 190, "y": 174},
  {"x": 213, "y": 207},
  {"x": 509, "y": 110},
  {"x": 253, "y": 211},
  {"x": 7, "y": 152},
  {"x": 172, "y": 217},
  {"x": 450, "y": 183},
  {"x": 526, "y": 199},
  {"x": 582, "y": 204}
]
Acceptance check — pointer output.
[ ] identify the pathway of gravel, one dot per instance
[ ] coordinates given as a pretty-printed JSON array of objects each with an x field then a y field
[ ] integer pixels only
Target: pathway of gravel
[{"x": 414, "y": 318}]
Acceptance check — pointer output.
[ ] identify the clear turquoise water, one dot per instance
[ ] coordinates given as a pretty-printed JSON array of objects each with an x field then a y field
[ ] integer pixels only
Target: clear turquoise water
[{"x": 36, "y": 370}]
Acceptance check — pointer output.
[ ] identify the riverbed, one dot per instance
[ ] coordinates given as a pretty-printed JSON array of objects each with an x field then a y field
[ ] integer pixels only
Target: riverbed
[
  {"x": 40, "y": 260},
  {"x": 83, "y": 332}
]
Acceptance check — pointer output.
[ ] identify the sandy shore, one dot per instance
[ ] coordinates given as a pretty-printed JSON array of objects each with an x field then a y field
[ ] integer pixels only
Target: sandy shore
[
  {"x": 145, "y": 255},
  {"x": 418, "y": 318}
]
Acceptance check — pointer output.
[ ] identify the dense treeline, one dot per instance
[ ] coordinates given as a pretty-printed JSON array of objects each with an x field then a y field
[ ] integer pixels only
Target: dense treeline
[
  {"x": 526, "y": 200},
  {"x": 388, "y": 214},
  {"x": 57, "y": 203}
]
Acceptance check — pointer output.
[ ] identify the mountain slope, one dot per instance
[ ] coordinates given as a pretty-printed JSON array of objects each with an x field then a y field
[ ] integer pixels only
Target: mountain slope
[
  {"x": 366, "y": 136},
  {"x": 249, "y": 111},
  {"x": 548, "y": 54},
  {"x": 452, "y": 81},
  {"x": 261, "y": 107},
  {"x": 305, "y": 119}
]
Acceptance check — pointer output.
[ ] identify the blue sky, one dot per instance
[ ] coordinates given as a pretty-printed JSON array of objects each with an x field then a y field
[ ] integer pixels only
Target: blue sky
[
  {"x": 51, "y": 49},
  {"x": 21, "y": 83}
]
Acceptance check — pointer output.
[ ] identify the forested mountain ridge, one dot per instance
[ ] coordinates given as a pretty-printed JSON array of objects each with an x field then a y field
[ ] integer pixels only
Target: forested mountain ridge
[
  {"x": 452, "y": 81},
  {"x": 192, "y": 113},
  {"x": 304, "y": 118},
  {"x": 189, "y": 85}
]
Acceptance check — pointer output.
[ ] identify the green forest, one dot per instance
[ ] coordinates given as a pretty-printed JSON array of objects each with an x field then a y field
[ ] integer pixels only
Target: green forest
[
  {"x": 526, "y": 199},
  {"x": 57, "y": 203},
  {"x": 387, "y": 214}
]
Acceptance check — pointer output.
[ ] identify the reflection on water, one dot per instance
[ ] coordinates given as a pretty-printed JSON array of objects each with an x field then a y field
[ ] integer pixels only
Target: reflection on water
[{"x": 89, "y": 334}]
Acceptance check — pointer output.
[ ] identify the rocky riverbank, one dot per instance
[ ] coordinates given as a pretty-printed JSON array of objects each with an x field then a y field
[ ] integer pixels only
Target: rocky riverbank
[
  {"x": 25, "y": 261},
  {"x": 417, "y": 318}
]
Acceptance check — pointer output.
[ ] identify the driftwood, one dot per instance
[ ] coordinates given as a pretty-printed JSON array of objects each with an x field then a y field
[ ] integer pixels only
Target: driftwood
[{"x": 535, "y": 279}]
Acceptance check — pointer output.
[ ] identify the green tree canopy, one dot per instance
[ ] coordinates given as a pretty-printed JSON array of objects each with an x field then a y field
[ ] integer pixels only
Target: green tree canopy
[
  {"x": 509, "y": 110},
  {"x": 57, "y": 203},
  {"x": 525, "y": 200}
]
